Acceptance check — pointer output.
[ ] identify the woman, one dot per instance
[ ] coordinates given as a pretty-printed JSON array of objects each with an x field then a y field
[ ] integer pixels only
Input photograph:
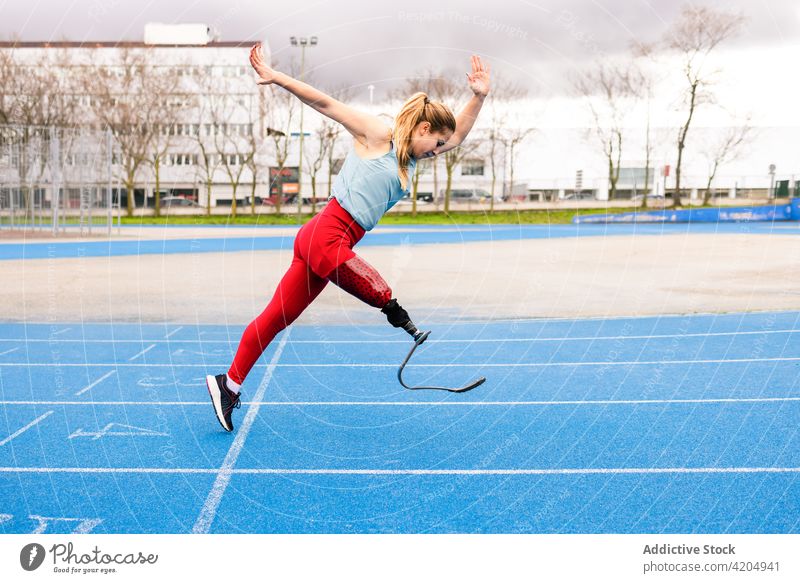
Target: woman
[{"x": 375, "y": 175}]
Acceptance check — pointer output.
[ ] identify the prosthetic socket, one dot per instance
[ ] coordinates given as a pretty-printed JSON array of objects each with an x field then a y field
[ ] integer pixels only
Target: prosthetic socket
[{"x": 399, "y": 318}]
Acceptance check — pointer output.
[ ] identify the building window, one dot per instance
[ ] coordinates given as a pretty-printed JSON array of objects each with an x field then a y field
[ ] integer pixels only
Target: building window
[
  {"x": 633, "y": 177},
  {"x": 472, "y": 167},
  {"x": 181, "y": 160},
  {"x": 337, "y": 165},
  {"x": 425, "y": 166}
]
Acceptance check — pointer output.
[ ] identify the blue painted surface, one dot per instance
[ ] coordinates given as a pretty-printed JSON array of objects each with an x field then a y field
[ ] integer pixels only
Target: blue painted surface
[
  {"x": 380, "y": 237},
  {"x": 789, "y": 211},
  {"x": 592, "y": 402}
]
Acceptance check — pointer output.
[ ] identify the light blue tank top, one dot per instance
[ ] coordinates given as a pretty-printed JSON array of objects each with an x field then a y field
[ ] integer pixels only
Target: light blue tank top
[{"x": 368, "y": 188}]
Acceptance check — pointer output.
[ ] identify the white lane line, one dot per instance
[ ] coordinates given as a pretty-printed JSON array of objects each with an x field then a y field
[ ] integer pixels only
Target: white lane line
[
  {"x": 432, "y": 365},
  {"x": 9, "y": 351},
  {"x": 95, "y": 383},
  {"x": 62, "y": 331},
  {"x": 209, "y": 510},
  {"x": 145, "y": 351},
  {"x": 564, "y": 319},
  {"x": 429, "y": 341},
  {"x": 717, "y": 316},
  {"x": 24, "y": 429},
  {"x": 412, "y": 403},
  {"x": 542, "y": 339},
  {"x": 547, "y": 364},
  {"x": 178, "y": 329},
  {"x": 413, "y": 472}
]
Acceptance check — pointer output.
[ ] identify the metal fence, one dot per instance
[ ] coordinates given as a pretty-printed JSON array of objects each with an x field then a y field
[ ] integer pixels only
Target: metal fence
[{"x": 57, "y": 179}]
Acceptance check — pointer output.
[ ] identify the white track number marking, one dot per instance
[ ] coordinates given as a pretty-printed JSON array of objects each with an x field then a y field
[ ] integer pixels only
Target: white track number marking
[
  {"x": 117, "y": 430},
  {"x": 83, "y": 526}
]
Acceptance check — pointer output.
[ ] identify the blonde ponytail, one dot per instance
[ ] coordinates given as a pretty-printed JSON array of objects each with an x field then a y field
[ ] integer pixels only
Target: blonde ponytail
[{"x": 416, "y": 109}]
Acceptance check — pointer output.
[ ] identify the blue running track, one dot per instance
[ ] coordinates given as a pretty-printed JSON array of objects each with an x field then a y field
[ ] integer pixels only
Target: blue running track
[
  {"x": 647, "y": 425},
  {"x": 417, "y": 235}
]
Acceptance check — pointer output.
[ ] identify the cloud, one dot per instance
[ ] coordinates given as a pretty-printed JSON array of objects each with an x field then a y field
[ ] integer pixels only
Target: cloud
[{"x": 366, "y": 42}]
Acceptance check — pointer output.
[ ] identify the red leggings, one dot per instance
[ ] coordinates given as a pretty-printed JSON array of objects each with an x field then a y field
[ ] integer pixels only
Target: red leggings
[{"x": 322, "y": 252}]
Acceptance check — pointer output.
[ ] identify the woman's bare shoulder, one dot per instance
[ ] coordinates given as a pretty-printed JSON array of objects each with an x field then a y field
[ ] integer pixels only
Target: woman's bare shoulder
[{"x": 380, "y": 144}]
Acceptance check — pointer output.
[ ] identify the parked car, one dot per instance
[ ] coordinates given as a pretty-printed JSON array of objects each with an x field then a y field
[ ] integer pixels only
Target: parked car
[
  {"x": 650, "y": 198},
  {"x": 406, "y": 201},
  {"x": 272, "y": 199},
  {"x": 240, "y": 202},
  {"x": 178, "y": 202},
  {"x": 321, "y": 200},
  {"x": 466, "y": 195},
  {"x": 583, "y": 195}
]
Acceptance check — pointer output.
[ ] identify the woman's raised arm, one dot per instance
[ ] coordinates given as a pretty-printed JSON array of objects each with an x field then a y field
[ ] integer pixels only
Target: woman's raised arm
[
  {"x": 367, "y": 129},
  {"x": 479, "y": 83}
]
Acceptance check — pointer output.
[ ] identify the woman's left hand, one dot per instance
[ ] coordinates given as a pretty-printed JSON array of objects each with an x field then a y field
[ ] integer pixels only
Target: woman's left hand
[
  {"x": 266, "y": 74},
  {"x": 479, "y": 79}
]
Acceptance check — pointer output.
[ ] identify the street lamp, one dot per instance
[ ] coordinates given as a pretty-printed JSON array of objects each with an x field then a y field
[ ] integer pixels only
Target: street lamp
[
  {"x": 302, "y": 42},
  {"x": 772, "y": 169}
]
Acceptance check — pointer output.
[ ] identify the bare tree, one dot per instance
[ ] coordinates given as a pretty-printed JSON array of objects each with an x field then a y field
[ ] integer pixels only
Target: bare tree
[
  {"x": 698, "y": 31},
  {"x": 255, "y": 139},
  {"x": 281, "y": 110},
  {"x": 6, "y": 84},
  {"x": 452, "y": 159},
  {"x": 117, "y": 100},
  {"x": 33, "y": 93},
  {"x": 513, "y": 137},
  {"x": 608, "y": 91},
  {"x": 208, "y": 163},
  {"x": 422, "y": 166},
  {"x": 494, "y": 141},
  {"x": 252, "y": 163},
  {"x": 208, "y": 160},
  {"x": 163, "y": 102},
  {"x": 318, "y": 156},
  {"x": 724, "y": 150},
  {"x": 504, "y": 93},
  {"x": 231, "y": 138},
  {"x": 334, "y": 132},
  {"x": 643, "y": 82},
  {"x": 39, "y": 103},
  {"x": 204, "y": 102},
  {"x": 439, "y": 86}
]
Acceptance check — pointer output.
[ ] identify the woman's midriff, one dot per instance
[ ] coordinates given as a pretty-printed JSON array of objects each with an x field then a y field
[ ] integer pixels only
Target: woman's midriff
[{"x": 326, "y": 241}]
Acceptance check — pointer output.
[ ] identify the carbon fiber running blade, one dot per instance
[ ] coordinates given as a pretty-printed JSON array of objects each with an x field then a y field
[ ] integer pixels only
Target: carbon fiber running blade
[{"x": 464, "y": 389}]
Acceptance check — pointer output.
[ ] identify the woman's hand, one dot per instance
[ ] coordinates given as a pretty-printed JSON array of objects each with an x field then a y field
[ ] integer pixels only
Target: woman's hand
[
  {"x": 479, "y": 79},
  {"x": 266, "y": 74}
]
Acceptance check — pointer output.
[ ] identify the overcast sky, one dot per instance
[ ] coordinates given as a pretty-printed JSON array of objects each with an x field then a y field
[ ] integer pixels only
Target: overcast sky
[{"x": 377, "y": 42}]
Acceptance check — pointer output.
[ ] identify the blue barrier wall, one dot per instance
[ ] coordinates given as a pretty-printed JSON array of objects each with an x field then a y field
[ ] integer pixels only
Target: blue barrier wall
[{"x": 782, "y": 212}]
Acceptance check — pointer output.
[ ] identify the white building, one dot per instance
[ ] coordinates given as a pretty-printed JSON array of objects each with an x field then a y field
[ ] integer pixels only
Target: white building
[
  {"x": 221, "y": 125},
  {"x": 214, "y": 108}
]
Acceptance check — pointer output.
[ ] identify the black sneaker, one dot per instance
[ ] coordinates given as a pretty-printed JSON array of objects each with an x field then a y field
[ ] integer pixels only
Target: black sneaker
[{"x": 223, "y": 399}]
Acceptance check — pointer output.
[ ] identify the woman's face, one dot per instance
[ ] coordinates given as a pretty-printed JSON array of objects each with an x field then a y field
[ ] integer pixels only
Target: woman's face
[{"x": 425, "y": 142}]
